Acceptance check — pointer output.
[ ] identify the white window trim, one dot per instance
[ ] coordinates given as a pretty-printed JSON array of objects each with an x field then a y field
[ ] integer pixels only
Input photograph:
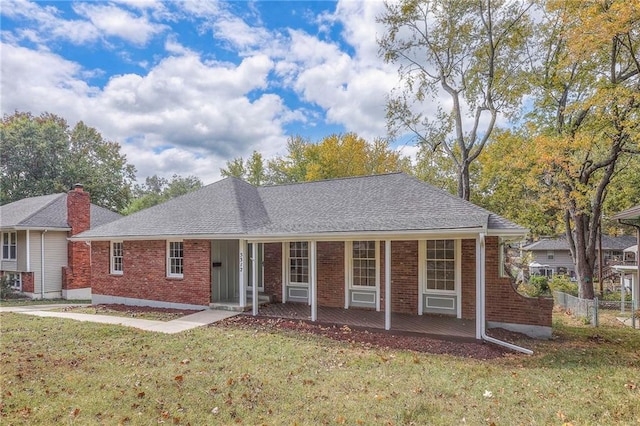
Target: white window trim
[
  {"x": 168, "y": 259},
  {"x": 422, "y": 276},
  {"x": 348, "y": 276},
  {"x": 111, "y": 262},
  {"x": 456, "y": 260},
  {"x": 551, "y": 255},
  {"x": 15, "y": 243},
  {"x": 287, "y": 263}
]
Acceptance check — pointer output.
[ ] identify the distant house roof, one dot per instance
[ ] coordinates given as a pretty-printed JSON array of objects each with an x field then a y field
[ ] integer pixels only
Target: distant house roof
[
  {"x": 608, "y": 243},
  {"x": 382, "y": 203},
  {"x": 47, "y": 212}
]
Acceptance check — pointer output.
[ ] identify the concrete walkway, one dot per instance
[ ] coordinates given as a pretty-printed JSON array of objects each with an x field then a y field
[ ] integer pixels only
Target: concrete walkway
[{"x": 205, "y": 317}]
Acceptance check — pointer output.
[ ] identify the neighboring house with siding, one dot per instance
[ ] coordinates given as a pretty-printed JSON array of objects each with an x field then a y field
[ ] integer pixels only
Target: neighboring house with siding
[
  {"x": 552, "y": 256},
  {"x": 36, "y": 254},
  {"x": 629, "y": 270},
  {"x": 388, "y": 243}
]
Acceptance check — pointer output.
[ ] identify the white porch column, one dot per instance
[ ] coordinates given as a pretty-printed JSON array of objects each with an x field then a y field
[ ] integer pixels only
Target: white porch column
[
  {"x": 254, "y": 278},
  {"x": 313, "y": 280},
  {"x": 28, "y": 253},
  {"x": 387, "y": 285},
  {"x": 479, "y": 292},
  {"x": 285, "y": 256},
  {"x": 242, "y": 258}
]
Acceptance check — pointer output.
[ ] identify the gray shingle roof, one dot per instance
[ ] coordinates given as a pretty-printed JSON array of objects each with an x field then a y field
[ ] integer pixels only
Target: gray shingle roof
[
  {"x": 608, "y": 243},
  {"x": 47, "y": 211},
  {"x": 385, "y": 203},
  {"x": 632, "y": 213}
]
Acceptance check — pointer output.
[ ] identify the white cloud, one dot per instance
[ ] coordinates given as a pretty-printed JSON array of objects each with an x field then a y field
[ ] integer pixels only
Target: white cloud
[
  {"x": 114, "y": 21},
  {"x": 49, "y": 25}
]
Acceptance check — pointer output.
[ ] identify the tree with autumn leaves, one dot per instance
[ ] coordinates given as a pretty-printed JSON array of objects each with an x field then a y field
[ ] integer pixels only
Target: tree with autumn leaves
[
  {"x": 582, "y": 135},
  {"x": 335, "y": 156}
]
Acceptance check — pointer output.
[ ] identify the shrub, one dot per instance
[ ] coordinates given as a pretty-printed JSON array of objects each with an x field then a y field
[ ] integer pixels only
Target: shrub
[
  {"x": 6, "y": 291},
  {"x": 563, "y": 283},
  {"x": 542, "y": 283}
]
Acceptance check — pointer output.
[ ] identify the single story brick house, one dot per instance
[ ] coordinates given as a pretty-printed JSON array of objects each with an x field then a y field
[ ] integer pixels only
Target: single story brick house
[
  {"x": 36, "y": 253},
  {"x": 389, "y": 243}
]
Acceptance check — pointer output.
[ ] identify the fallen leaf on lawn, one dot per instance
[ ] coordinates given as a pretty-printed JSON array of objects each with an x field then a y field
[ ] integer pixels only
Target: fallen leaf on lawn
[
  {"x": 630, "y": 386},
  {"x": 487, "y": 394},
  {"x": 215, "y": 410},
  {"x": 74, "y": 413},
  {"x": 340, "y": 420},
  {"x": 178, "y": 378},
  {"x": 140, "y": 394},
  {"x": 185, "y": 361}
]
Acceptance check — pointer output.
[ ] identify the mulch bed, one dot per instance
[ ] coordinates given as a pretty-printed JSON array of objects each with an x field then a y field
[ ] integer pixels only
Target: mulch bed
[{"x": 380, "y": 338}]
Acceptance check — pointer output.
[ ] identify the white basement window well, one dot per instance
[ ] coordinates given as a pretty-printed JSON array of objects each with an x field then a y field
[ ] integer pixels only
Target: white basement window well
[{"x": 175, "y": 259}]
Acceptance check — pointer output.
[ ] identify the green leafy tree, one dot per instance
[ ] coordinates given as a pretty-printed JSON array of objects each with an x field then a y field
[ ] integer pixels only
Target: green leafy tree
[
  {"x": 335, "y": 156},
  {"x": 470, "y": 52},
  {"x": 42, "y": 155},
  {"x": 586, "y": 118},
  {"x": 157, "y": 190}
]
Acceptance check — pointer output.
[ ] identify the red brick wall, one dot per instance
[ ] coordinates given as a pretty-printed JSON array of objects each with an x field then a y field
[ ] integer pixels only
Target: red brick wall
[
  {"x": 27, "y": 282},
  {"x": 331, "y": 273},
  {"x": 503, "y": 303},
  {"x": 468, "y": 279},
  {"x": 77, "y": 273},
  {"x": 273, "y": 270},
  {"x": 144, "y": 276},
  {"x": 404, "y": 276}
]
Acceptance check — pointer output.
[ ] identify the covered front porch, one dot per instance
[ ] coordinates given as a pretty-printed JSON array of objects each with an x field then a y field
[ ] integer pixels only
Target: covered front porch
[{"x": 439, "y": 326}]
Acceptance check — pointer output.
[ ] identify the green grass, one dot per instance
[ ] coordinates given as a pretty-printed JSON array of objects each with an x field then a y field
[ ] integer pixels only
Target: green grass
[
  {"x": 155, "y": 315},
  {"x": 56, "y": 371},
  {"x": 29, "y": 302}
]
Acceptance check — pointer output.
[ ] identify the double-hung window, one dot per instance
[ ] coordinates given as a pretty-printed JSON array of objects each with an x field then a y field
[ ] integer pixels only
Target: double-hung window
[
  {"x": 117, "y": 257},
  {"x": 175, "y": 259},
  {"x": 9, "y": 245},
  {"x": 364, "y": 264},
  {"x": 441, "y": 266},
  {"x": 299, "y": 262}
]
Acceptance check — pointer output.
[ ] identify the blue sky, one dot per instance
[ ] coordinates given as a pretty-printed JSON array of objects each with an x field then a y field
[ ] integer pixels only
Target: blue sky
[{"x": 185, "y": 86}]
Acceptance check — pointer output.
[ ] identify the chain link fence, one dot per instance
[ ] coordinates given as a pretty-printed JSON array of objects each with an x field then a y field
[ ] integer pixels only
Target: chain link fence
[{"x": 590, "y": 309}]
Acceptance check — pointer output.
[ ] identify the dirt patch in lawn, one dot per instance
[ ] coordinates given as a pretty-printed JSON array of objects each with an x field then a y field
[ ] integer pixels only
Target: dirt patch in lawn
[
  {"x": 379, "y": 338},
  {"x": 142, "y": 312}
]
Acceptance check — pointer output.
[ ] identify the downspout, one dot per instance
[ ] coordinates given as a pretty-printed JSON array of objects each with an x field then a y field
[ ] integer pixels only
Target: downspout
[
  {"x": 483, "y": 306},
  {"x": 42, "y": 263}
]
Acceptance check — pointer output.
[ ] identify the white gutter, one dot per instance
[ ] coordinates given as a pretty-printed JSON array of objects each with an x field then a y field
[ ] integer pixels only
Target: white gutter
[
  {"x": 321, "y": 236},
  {"x": 483, "y": 334}
]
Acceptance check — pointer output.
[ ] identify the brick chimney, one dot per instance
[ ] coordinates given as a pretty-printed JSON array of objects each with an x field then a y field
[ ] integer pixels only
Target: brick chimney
[
  {"x": 76, "y": 276},
  {"x": 78, "y": 209}
]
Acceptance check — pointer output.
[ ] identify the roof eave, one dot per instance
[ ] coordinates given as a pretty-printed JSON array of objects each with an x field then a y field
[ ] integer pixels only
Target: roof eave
[{"x": 347, "y": 235}]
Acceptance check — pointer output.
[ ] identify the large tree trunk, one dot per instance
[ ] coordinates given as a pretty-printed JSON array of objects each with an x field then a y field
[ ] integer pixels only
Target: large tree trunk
[
  {"x": 582, "y": 244},
  {"x": 464, "y": 185}
]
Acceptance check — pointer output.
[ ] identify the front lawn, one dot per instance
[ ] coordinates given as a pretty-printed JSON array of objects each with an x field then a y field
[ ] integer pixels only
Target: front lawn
[{"x": 56, "y": 371}]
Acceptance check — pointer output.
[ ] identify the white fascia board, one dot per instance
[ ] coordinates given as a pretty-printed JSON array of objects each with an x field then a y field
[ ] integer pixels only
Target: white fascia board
[
  {"x": 40, "y": 228},
  {"x": 507, "y": 233},
  {"x": 459, "y": 233}
]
